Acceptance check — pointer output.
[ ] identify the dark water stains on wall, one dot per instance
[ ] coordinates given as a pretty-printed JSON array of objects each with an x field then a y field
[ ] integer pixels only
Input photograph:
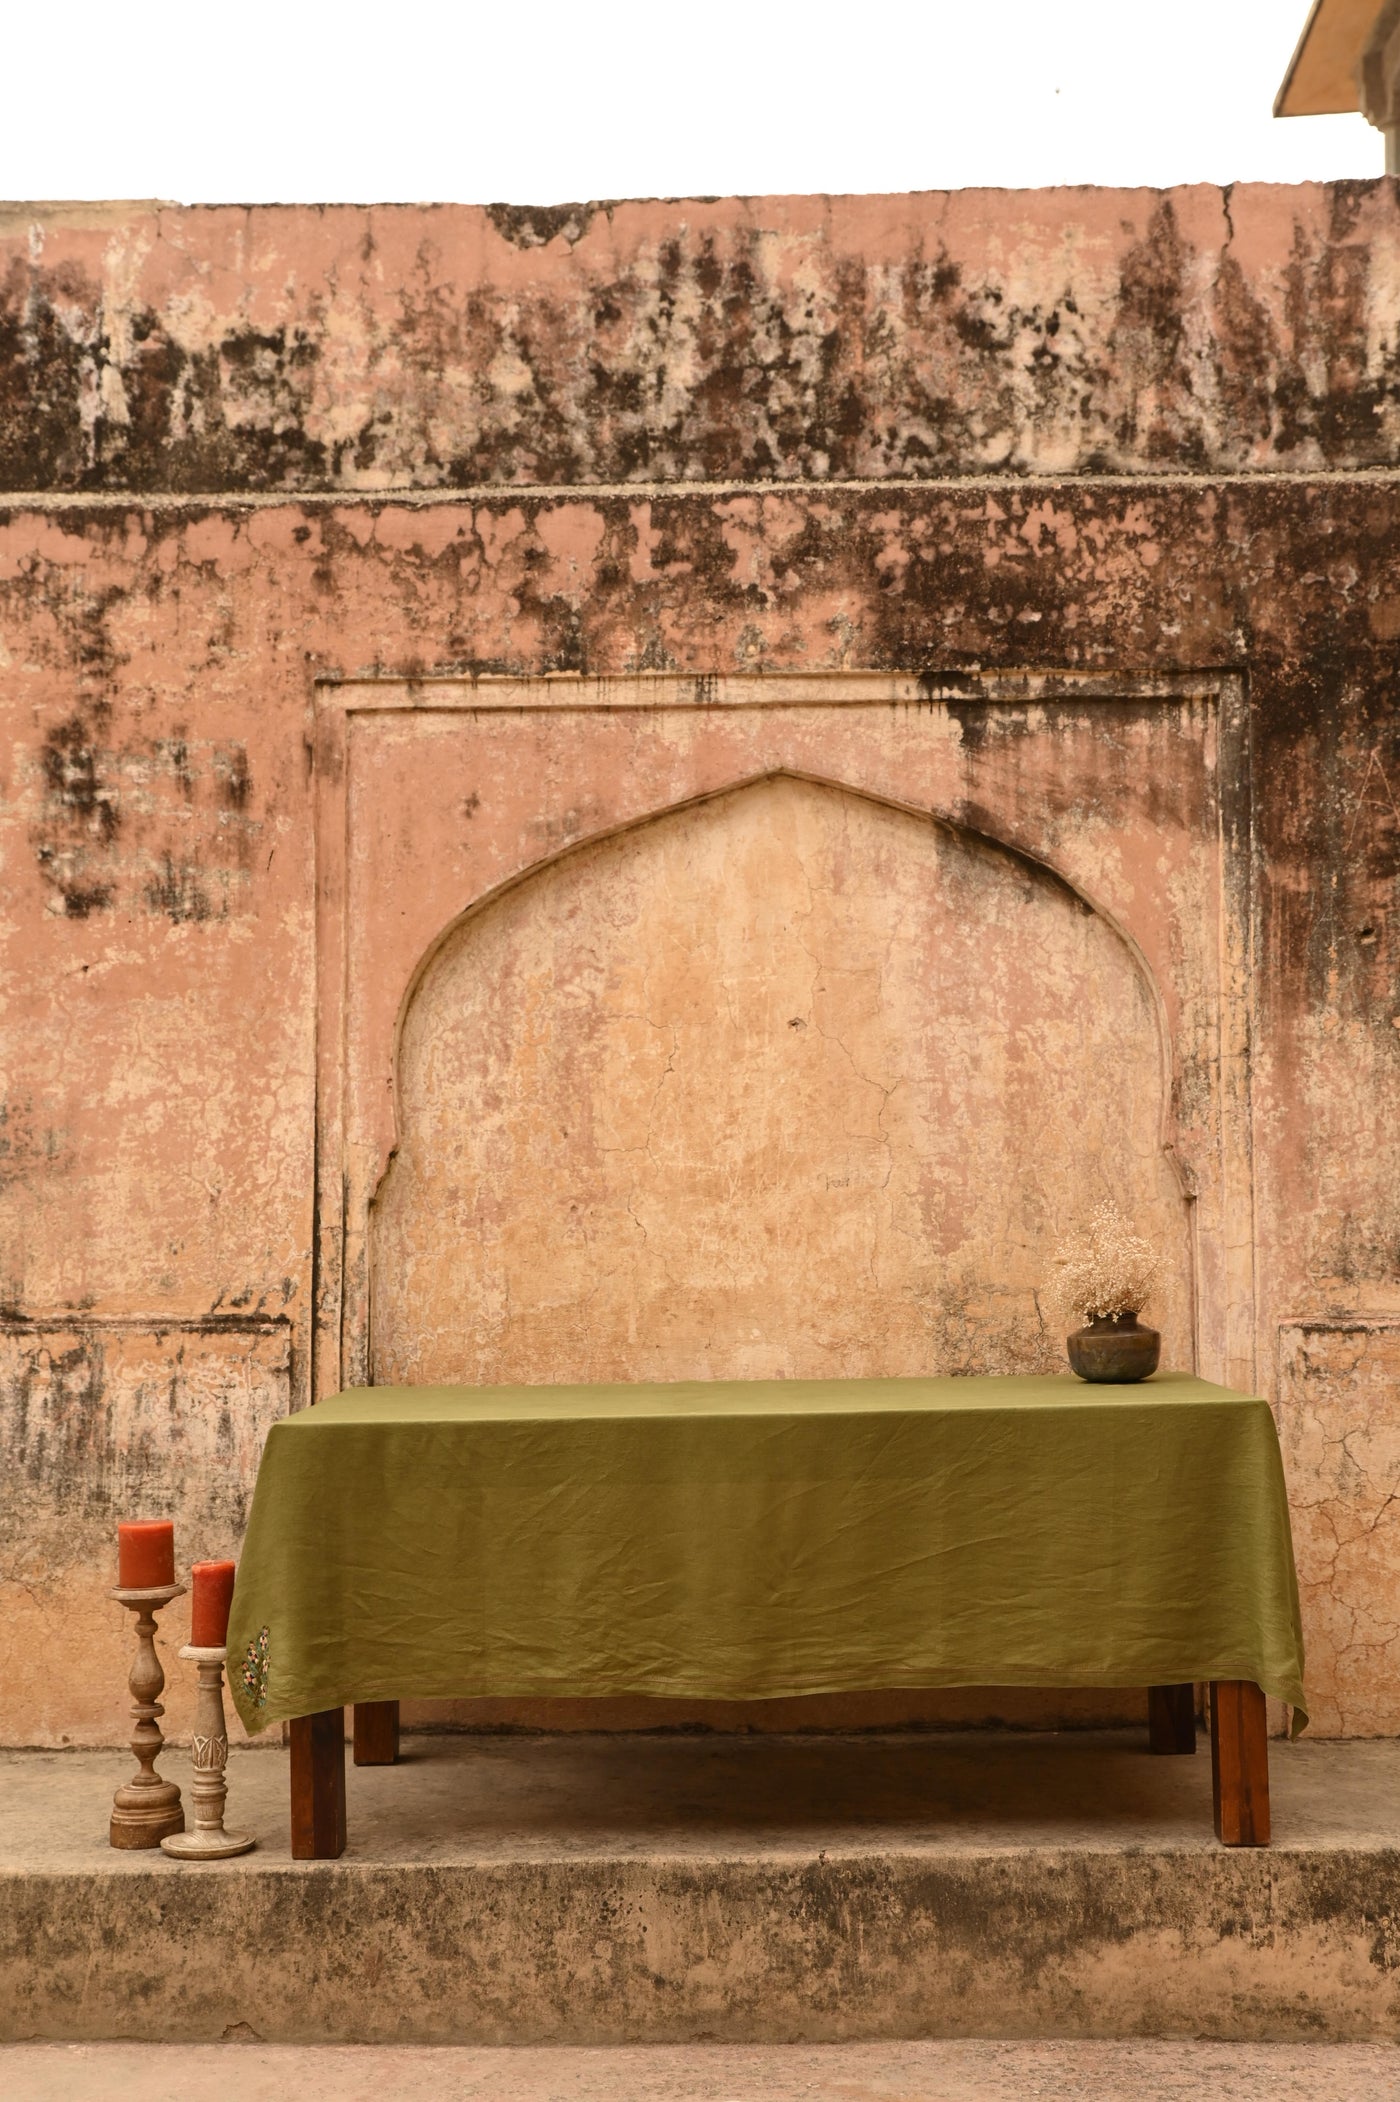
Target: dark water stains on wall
[
  {"x": 178, "y": 891},
  {"x": 99, "y": 1415},
  {"x": 536, "y": 225},
  {"x": 1197, "y": 331},
  {"x": 168, "y": 820},
  {"x": 75, "y": 840},
  {"x": 27, "y": 1149}
]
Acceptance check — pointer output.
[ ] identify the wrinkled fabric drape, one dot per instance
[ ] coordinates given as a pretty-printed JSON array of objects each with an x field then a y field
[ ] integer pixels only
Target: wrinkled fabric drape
[{"x": 754, "y": 1539}]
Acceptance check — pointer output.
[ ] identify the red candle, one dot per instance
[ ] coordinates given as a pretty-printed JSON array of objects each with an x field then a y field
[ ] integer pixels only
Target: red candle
[
  {"x": 213, "y": 1595},
  {"x": 146, "y": 1554}
]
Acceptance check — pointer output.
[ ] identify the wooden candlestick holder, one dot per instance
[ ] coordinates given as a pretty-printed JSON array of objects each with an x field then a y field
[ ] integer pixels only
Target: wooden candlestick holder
[
  {"x": 209, "y": 1750},
  {"x": 146, "y": 1808}
]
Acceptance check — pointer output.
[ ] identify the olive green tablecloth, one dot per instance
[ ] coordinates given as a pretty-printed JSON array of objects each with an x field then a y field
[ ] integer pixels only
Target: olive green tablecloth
[{"x": 775, "y": 1537}]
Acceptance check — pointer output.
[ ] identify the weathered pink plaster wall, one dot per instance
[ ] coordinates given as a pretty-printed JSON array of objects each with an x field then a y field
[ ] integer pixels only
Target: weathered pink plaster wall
[{"x": 247, "y": 455}]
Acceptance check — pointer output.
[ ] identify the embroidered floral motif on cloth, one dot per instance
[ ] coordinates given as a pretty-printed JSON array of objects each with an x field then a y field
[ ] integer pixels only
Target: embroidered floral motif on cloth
[{"x": 254, "y": 1673}]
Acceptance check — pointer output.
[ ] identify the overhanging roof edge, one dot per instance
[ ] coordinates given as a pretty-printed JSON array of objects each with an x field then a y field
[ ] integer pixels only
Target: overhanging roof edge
[
  {"x": 1281, "y": 98},
  {"x": 1321, "y": 79}
]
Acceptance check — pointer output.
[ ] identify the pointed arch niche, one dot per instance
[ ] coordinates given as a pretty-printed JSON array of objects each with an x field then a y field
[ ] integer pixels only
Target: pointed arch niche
[
  {"x": 771, "y": 1027},
  {"x": 784, "y": 1083}
]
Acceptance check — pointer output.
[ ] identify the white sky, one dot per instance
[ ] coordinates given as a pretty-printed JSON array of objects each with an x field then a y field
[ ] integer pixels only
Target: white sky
[{"x": 537, "y": 103}]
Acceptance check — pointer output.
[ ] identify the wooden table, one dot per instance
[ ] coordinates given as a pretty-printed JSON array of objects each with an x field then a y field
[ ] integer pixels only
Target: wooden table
[
  {"x": 755, "y": 1540},
  {"x": 1239, "y": 1758}
]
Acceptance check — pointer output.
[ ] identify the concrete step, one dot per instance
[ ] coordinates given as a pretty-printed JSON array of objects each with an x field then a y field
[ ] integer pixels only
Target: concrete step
[{"x": 740, "y": 1890}]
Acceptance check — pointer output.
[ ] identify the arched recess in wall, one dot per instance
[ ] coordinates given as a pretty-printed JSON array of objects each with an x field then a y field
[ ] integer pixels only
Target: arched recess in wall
[{"x": 789, "y": 1082}]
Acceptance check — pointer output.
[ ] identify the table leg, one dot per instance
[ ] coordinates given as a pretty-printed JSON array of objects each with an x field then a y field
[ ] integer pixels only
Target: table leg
[
  {"x": 1171, "y": 1718},
  {"x": 376, "y": 1733},
  {"x": 1239, "y": 1763},
  {"x": 318, "y": 1785}
]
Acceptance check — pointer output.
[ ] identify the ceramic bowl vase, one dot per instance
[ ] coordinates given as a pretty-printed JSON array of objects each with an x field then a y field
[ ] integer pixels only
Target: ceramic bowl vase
[{"x": 1114, "y": 1347}]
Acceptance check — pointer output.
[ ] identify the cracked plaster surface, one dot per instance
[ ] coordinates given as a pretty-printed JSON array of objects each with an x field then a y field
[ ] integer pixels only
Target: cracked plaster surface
[{"x": 1341, "y": 1445}]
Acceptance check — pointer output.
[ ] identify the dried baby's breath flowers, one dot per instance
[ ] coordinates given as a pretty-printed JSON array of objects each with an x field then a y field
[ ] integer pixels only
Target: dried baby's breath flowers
[{"x": 1105, "y": 1269}]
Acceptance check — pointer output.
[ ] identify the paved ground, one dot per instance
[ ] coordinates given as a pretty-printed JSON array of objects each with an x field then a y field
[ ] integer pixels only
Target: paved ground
[{"x": 935, "y": 2072}]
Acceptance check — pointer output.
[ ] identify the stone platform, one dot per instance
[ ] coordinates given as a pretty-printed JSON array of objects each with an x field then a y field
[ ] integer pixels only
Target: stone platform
[{"x": 741, "y": 1890}]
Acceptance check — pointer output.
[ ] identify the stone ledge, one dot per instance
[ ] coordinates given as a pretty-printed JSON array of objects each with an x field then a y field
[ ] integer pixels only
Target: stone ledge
[{"x": 665, "y": 1890}]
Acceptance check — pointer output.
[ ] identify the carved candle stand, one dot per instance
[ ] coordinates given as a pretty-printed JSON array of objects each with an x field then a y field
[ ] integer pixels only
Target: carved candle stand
[
  {"x": 146, "y": 1808},
  {"x": 209, "y": 1747}
]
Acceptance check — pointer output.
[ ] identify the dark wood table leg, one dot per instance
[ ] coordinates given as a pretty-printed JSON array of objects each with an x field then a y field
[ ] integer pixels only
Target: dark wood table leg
[
  {"x": 1239, "y": 1763},
  {"x": 1171, "y": 1718},
  {"x": 318, "y": 1786},
  {"x": 376, "y": 1733}
]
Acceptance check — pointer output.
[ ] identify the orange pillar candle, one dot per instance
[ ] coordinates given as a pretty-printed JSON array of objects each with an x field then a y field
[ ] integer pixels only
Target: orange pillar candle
[
  {"x": 213, "y": 1595},
  {"x": 146, "y": 1554}
]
